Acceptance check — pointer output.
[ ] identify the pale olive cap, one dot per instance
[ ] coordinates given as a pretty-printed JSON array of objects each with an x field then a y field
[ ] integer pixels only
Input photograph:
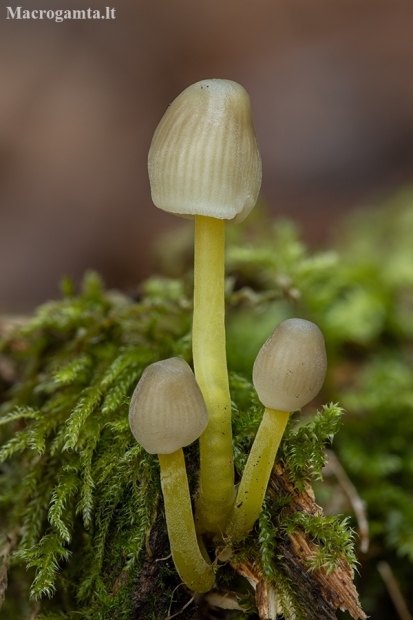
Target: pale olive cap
[
  {"x": 290, "y": 367},
  {"x": 204, "y": 157},
  {"x": 167, "y": 409}
]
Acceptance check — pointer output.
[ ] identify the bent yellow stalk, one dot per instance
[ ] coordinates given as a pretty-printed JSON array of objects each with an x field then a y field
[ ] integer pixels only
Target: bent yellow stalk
[
  {"x": 193, "y": 569},
  {"x": 210, "y": 365},
  {"x": 167, "y": 411},
  {"x": 253, "y": 485}
]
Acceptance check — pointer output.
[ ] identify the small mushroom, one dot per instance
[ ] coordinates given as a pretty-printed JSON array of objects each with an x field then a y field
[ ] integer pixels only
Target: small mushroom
[
  {"x": 288, "y": 373},
  {"x": 204, "y": 163},
  {"x": 167, "y": 411},
  {"x": 204, "y": 158}
]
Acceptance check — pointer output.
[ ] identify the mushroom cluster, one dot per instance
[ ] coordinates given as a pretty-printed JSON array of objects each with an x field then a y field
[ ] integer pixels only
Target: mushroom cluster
[{"x": 204, "y": 163}]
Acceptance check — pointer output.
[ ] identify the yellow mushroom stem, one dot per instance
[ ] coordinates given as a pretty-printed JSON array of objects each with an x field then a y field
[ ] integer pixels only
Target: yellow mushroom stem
[
  {"x": 195, "y": 571},
  {"x": 217, "y": 493},
  {"x": 257, "y": 471}
]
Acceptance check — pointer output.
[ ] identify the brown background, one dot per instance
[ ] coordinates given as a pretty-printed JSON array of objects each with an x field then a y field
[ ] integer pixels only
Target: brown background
[{"x": 332, "y": 93}]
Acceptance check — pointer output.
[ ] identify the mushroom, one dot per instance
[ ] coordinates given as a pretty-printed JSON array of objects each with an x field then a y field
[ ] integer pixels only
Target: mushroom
[
  {"x": 167, "y": 411},
  {"x": 204, "y": 163},
  {"x": 288, "y": 373}
]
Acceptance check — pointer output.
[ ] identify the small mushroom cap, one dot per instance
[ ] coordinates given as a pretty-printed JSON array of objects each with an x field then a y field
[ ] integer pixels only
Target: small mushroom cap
[
  {"x": 291, "y": 365},
  {"x": 204, "y": 157},
  {"x": 167, "y": 409}
]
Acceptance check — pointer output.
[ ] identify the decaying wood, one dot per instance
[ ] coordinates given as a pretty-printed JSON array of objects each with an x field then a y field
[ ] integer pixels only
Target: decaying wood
[
  {"x": 265, "y": 596},
  {"x": 317, "y": 591},
  {"x": 267, "y": 601},
  {"x": 320, "y": 592}
]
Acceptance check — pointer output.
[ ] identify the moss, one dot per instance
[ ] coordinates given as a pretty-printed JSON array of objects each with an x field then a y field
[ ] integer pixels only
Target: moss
[{"x": 85, "y": 498}]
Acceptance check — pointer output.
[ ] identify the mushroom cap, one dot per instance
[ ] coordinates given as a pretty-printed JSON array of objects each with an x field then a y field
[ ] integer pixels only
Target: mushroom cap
[
  {"x": 291, "y": 365},
  {"x": 204, "y": 157},
  {"x": 167, "y": 409}
]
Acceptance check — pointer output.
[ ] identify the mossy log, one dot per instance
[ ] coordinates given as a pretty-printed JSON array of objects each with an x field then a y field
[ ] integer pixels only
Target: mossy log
[{"x": 151, "y": 587}]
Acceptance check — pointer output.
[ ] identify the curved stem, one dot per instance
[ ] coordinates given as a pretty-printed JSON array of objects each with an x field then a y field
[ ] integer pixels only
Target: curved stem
[
  {"x": 210, "y": 365},
  {"x": 254, "y": 481},
  {"x": 193, "y": 569}
]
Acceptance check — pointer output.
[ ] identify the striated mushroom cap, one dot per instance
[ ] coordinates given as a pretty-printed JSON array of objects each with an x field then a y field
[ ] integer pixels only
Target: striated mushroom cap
[
  {"x": 167, "y": 410},
  {"x": 290, "y": 367},
  {"x": 204, "y": 157}
]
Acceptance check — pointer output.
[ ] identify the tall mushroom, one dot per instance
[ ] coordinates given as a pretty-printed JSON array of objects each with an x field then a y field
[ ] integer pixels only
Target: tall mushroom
[
  {"x": 167, "y": 411},
  {"x": 288, "y": 372},
  {"x": 204, "y": 162}
]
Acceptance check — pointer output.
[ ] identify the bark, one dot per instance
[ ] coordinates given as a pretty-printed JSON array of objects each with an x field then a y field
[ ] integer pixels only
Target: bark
[
  {"x": 321, "y": 593},
  {"x": 318, "y": 592}
]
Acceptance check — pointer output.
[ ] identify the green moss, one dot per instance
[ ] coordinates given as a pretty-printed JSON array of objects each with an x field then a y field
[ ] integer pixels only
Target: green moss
[{"x": 85, "y": 497}]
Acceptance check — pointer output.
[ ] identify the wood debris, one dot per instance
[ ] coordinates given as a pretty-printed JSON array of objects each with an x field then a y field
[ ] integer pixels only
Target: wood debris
[{"x": 320, "y": 592}]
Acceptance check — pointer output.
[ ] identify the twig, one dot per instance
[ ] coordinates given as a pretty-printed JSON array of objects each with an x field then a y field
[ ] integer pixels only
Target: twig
[
  {"x": 5, "y": 553},
  {"x": 35, "y": 611},
  {"x": 394, "y": 590},
  {"x": 356, "y": 502},
  {"x": 178, "y": 613}
]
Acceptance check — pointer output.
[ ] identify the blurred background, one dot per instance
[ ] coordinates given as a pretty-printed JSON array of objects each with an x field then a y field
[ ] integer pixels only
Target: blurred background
[{"x": 332, "y": 93}]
